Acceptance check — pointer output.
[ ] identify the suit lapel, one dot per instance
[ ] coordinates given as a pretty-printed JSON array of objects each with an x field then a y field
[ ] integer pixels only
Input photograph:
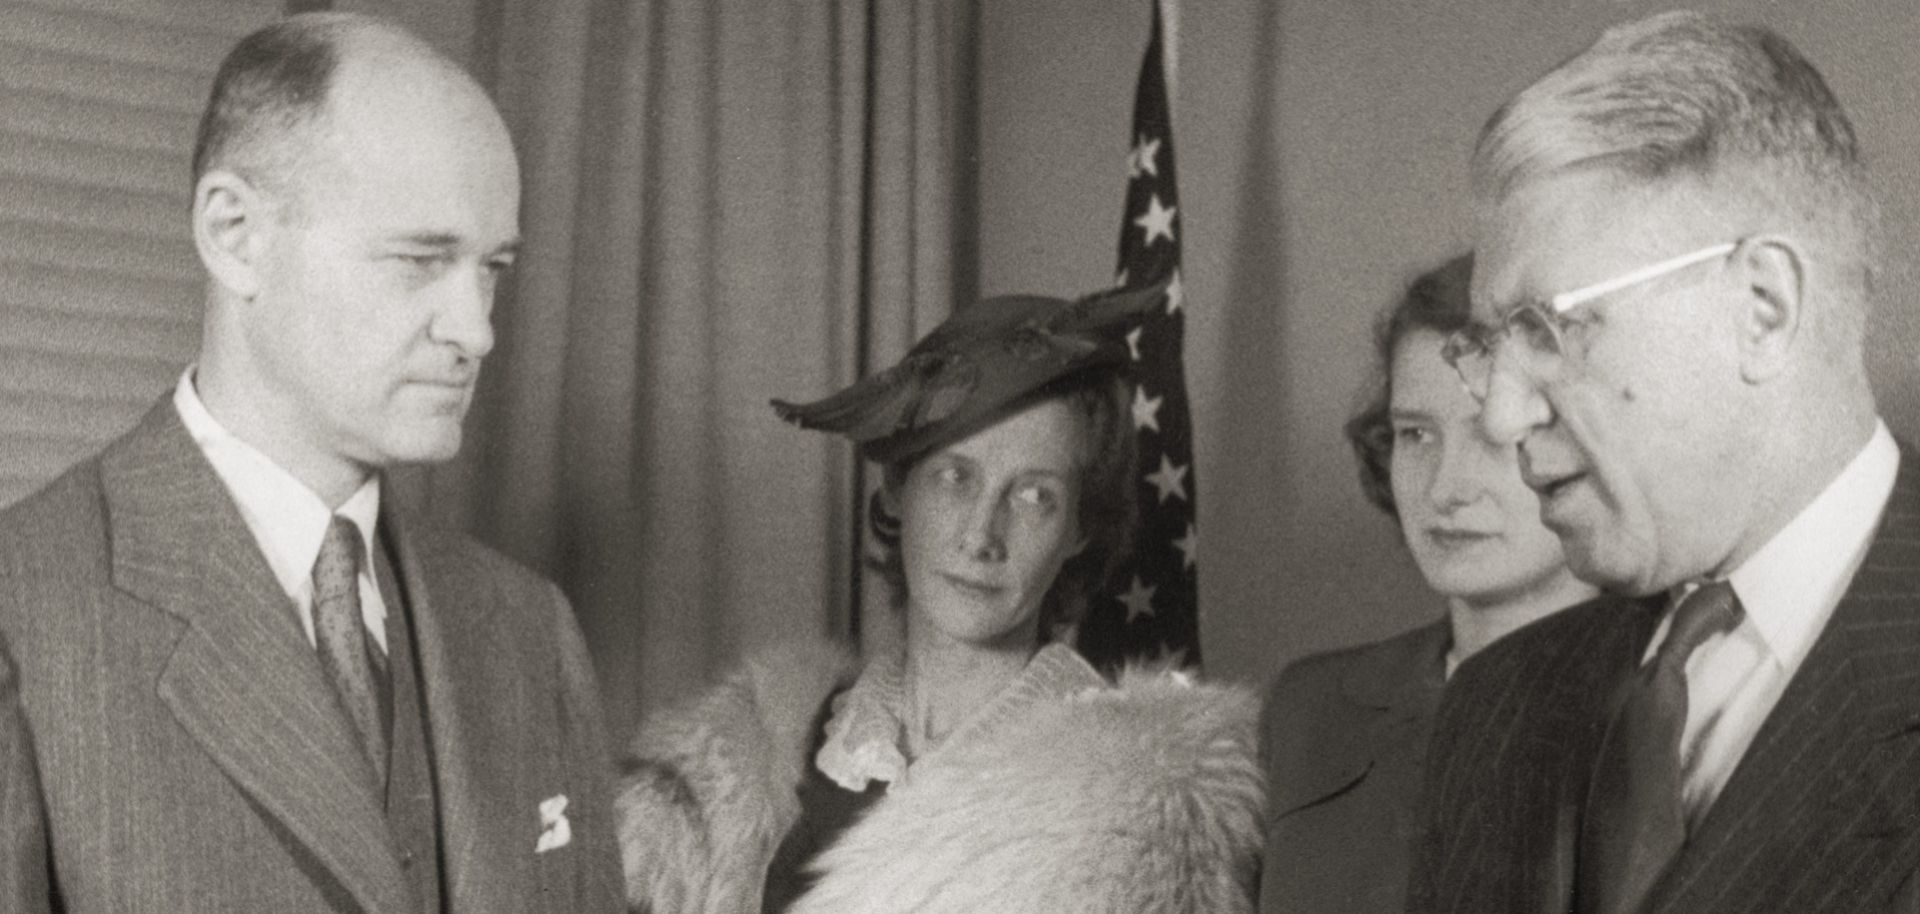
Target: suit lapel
[
  {"x": 1388, "y": 692},
  {"x": 1824, "y": 796},
  {"x": 1558, "y": 709},
  {"x": 242, "y": 680},
  {"x": 1400, "y": 688},
  {"x": 457, "y": 644}
]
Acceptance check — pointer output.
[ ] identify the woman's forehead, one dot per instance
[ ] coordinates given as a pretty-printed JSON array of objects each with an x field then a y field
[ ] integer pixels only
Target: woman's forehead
[{"x": 1047, "y": 435}]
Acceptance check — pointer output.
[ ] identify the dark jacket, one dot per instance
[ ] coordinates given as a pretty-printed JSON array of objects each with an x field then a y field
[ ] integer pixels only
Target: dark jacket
[
  {"x": 1343, "y": 737},
  {"x": 1821, "y": 814}
]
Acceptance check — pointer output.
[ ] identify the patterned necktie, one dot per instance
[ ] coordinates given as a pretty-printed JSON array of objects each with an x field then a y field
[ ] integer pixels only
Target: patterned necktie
[
  {"x": 1635, "y": 824},
  {"x": 342, "y": 638}
]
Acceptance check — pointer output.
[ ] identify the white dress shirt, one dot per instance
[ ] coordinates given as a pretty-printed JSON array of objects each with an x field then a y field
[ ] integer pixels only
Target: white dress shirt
[
  {"x": 288, "y": 520},
  {"x": 1789, "y": 589}
]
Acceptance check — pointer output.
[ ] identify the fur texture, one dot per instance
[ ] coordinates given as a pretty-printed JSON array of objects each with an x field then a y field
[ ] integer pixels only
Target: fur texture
[{"x": 1143, "y": 797}]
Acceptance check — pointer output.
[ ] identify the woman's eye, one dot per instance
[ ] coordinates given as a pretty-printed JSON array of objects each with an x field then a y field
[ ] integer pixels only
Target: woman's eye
[{"x": 1036, "y": 497}]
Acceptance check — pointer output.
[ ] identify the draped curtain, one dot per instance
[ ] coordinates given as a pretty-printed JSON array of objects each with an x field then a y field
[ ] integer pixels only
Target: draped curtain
[{"x": 724, "y": 201}]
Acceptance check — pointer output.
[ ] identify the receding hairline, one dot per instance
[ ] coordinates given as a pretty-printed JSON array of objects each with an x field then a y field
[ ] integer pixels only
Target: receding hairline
[{"x": 267, "y": 115}]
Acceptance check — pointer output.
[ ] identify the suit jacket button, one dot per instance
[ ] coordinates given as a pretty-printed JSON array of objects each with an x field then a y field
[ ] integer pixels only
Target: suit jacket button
[{"x": 406, "y": 860}]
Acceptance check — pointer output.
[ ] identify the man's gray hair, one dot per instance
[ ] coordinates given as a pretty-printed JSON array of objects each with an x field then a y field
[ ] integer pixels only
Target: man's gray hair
[{"x": 1679, "y": 96}]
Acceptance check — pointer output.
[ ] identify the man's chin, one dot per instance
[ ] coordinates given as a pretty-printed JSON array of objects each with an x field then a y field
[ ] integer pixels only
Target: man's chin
[
  {"x": 424, "y": 443},
  {"x": 1607, "y": 569}
]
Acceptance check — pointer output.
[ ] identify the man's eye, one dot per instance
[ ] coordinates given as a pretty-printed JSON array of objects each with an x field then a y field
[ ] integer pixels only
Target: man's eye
[
  {"x": 1412, "y": 434},
  {"x": 950, "y": 475},
  {"x": 423, "y": 261}
]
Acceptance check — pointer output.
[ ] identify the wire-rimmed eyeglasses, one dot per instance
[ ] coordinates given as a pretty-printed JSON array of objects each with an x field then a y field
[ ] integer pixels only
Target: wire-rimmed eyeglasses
[{"x": 1541, "y": 326}]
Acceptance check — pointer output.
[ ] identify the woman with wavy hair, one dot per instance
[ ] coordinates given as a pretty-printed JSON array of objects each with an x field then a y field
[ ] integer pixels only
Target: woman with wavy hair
[
  {"x": 1345, "y": 732},
  {"x": 983, "y": 765}
]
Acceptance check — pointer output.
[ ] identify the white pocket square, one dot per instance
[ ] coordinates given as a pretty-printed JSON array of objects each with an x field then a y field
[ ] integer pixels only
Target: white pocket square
[{"x": 555, "y": 832}]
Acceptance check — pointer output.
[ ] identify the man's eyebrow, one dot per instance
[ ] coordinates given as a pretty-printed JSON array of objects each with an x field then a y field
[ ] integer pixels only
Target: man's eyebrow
[
  {"x": 428, "y": 239},
  {"x": 1408, "y": 414},
  {"x": 448, "y": 240}
]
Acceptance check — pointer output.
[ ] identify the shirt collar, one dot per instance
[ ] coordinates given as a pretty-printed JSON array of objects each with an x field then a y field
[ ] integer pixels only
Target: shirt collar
[
  {"x": 287, "y": 519},
  {"x": 1790, "y": 587}
]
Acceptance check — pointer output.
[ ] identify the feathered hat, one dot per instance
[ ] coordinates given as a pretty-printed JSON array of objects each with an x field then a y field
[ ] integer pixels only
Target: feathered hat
[{"x": 976, "y": 367}]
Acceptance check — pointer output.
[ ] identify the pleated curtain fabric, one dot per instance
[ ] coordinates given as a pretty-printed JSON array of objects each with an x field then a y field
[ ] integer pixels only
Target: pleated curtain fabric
[
  {"x": 725, "y": 201},
  {"x": 100, "y": 290}
]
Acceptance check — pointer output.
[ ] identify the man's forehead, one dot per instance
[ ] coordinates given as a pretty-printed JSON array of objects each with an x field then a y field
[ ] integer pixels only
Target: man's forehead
[{"x": 1556, "y": 233}]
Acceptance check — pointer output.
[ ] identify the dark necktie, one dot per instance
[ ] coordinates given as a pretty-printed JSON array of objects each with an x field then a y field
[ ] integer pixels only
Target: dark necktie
[
  {"x": 342, "y": 639},
  {"x": 1635, "y": 823}
]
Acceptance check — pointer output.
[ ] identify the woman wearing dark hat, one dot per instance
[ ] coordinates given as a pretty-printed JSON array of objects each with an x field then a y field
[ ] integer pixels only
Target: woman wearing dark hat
[
  {"x": 1345, "y": 733},
  {"x": 983, "y": 766}
]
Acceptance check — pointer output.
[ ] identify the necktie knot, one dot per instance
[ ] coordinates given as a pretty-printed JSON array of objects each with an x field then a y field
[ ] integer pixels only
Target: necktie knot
[
  {"x": 1635, "y": 821},
  {"x": 1709, "y": 609}
]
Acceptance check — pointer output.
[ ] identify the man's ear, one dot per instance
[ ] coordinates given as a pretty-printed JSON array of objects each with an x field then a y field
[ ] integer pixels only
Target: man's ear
[
  {"x": 231, "y": 221},
  {"x": 1772, "y": 274}
]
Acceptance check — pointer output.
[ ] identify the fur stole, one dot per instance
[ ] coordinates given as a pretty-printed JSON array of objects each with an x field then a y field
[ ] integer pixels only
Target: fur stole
[
  {"x": 708, "y": 789},
  {"x": 1144, "y": 796}
]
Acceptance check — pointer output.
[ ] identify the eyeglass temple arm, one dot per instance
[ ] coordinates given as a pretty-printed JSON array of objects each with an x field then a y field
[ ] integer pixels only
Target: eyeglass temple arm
[{"x": 1565, "y": 300}]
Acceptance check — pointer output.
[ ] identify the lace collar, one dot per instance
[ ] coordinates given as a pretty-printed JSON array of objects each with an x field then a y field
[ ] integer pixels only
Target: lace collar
[{"x": 866, "y": 730}]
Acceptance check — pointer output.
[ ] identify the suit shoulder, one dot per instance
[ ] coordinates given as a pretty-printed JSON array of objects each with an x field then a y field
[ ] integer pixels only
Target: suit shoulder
[
  {"x": 1321, "y": 673},
  {"x": 461, "y": 554},
  {"x": 57, "y": 524},
  {"x": 1544, "y": 643}
]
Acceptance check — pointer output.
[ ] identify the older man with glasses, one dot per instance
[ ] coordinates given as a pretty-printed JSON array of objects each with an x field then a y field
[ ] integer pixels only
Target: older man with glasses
[{"x": 1675, "y": 264}]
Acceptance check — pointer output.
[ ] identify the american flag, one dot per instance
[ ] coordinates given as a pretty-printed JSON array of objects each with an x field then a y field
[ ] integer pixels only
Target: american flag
[{"x": 1150, "y": 607}]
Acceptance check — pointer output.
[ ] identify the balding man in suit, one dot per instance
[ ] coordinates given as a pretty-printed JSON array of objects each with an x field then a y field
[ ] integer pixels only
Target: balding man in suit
[
  {"x": 236, "y": 677},
  {"x": 1675, "y": 260}
]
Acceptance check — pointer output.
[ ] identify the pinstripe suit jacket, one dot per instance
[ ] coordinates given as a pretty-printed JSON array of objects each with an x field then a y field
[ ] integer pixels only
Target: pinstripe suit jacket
[
  {"x": 168, "y": 743},
  {"x": 1821, "y": 814}
]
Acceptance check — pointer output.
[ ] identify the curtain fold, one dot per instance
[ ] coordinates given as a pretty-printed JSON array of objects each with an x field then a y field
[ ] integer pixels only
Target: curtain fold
[{"x": 723, "y": 202}]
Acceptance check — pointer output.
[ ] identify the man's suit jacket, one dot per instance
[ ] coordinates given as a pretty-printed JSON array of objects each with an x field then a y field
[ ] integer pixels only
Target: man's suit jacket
[
  {"x": 1344, "y": 736},
  {"x": 1821, "y": 814},
  {"x": 168, "y": 742}
]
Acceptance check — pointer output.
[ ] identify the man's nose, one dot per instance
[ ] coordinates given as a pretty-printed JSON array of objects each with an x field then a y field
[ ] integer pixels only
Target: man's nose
[
  {"x": 1514, "y": 406},
  {"x": 464, "y": 318}
]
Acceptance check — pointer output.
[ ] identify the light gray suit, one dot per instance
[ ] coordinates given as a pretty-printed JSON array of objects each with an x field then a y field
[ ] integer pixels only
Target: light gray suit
[{"x": 168, "y": 742}]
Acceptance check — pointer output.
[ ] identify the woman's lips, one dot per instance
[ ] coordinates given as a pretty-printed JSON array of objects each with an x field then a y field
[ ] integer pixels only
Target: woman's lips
[{"x": 967, "y": 585}]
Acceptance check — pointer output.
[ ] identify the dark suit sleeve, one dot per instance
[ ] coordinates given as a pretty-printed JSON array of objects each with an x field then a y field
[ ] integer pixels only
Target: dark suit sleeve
[
  {"x": 24, "y": 877},
  {"x": 589, "y": 768}
]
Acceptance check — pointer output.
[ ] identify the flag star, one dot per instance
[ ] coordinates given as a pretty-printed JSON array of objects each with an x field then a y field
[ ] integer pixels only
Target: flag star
[
  {"x": 1141, "y": 160},
  {"x": 1146, "y": 410},
  {"x": 1170, "y": 479},
  {"x": 1139, "y": 599},
  {"x": 1188, "y": 545},
  {"x": 1157, "y": 221},
  {"x": 1133, "y": 342},
  {"x": 1176, "y": 293}
]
